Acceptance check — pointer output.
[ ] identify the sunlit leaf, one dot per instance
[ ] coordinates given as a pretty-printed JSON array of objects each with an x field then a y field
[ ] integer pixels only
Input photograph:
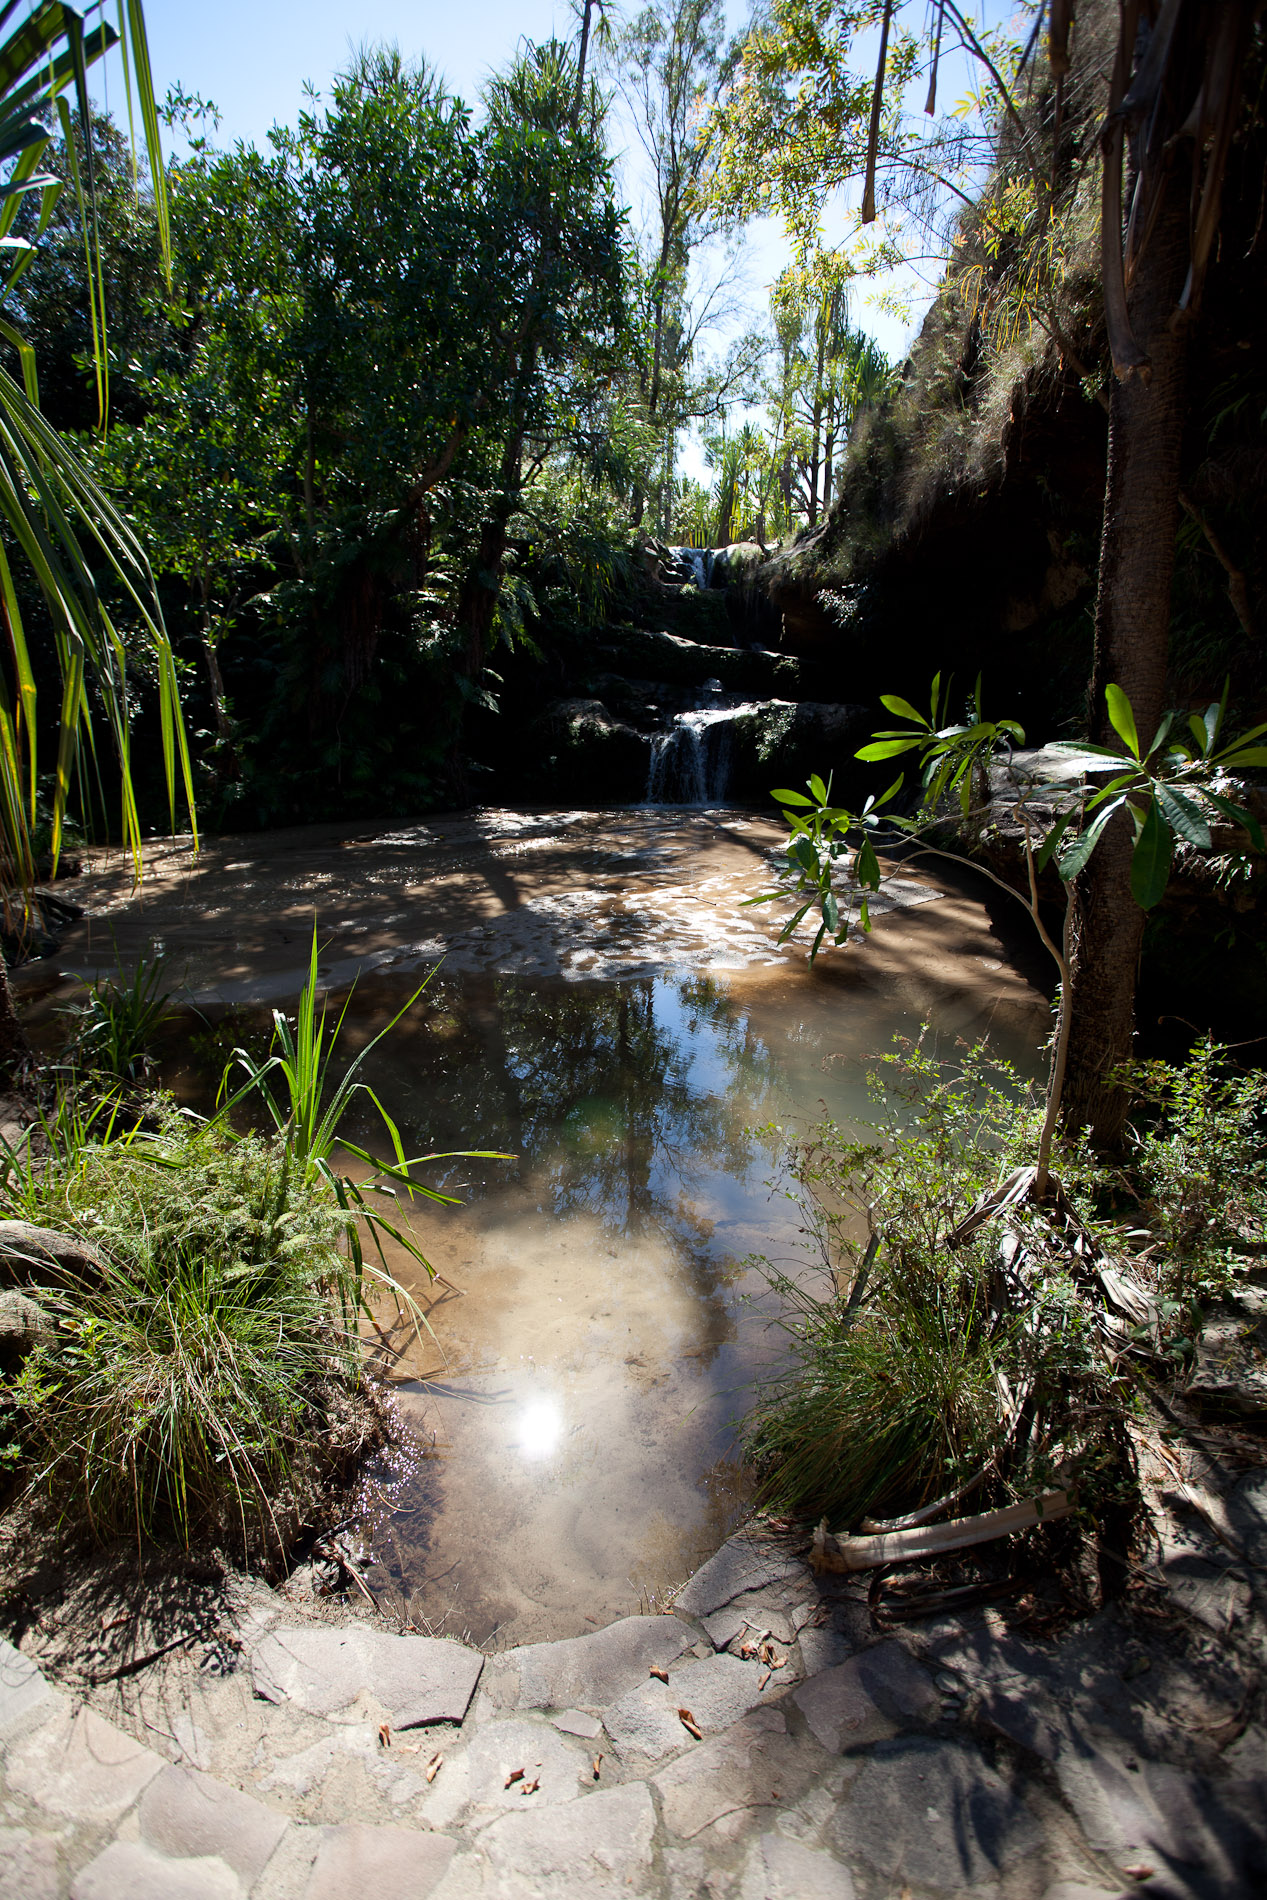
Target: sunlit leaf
[{"x": 1151, "y": 858}]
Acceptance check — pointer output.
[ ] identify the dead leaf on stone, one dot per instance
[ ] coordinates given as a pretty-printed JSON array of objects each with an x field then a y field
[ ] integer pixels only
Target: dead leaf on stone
[
  {"x": 661, "y": 1675},
  {"x": 770, "y": 1656},
  {"x": 530, "y": 1787},
  {"x": 689, "y": 1723},
  {"x": 433, "y": 1767},
  {"x": 761, "y": 1685},
  {"x": 598, "y": 1764},
  {"x": 384, "y": 1735},
  {"x": 1140, "y": 1871},
  {"x": 516, "y": 1774}
]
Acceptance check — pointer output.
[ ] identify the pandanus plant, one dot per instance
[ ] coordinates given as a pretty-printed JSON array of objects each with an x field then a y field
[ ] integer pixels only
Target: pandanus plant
[{"x": 92, "y": 573}]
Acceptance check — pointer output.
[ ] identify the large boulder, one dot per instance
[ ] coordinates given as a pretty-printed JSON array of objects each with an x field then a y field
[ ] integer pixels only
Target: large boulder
[{"x": 665, "y": 656}]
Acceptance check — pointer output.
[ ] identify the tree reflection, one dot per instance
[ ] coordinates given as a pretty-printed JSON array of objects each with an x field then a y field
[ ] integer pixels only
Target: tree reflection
[{"x": 619, "y": 1100}]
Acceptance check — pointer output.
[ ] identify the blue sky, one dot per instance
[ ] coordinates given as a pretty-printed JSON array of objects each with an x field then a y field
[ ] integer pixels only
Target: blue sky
[{"x": 253, "y": 60}]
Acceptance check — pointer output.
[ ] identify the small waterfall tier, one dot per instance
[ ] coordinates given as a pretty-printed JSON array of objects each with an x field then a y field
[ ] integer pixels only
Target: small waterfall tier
[
  {"x": 690, "y": 762},
  {"x": 697, "y": 563}
]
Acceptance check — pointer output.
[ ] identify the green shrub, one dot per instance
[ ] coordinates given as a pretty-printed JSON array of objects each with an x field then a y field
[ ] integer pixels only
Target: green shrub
[
  {"x": 928, "y": 1358},
  {"x": 183, "y": 1387}
]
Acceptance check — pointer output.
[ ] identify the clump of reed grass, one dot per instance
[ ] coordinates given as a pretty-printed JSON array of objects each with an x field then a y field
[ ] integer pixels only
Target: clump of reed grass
[{"x": 182, "y": 1383}]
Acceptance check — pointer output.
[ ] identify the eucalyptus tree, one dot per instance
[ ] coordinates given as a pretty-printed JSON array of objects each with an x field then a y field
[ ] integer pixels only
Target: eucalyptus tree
[
  {"x": 98, "y": 606},
  {"x": 671, "y": 60},
  {"x": 1154, "y": 92}
]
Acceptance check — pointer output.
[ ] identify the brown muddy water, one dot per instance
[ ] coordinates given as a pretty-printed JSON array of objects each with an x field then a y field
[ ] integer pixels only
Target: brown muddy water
[{"x": 608, "y": 1012}]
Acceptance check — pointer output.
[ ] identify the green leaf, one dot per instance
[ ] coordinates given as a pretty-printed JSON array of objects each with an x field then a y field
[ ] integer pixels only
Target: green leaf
[
  {"x": 1072, "y": 859},
  {"x": 831, "y": 912},
  {"x": 902, "y": 707},
  {"x": 818, "y": 789},
  {"x": 791, "y": 798},
  {"x": 1238, "y": 815},
  {"x": 1252, "y": 755},
  {"x": 885, "y": 749},
  {"x": 1184, "y": 817},
  {"x": 1050, "y": 842},
  {"x": 1151, "y": 858},
  {"x": 867, "y": 868},
  {"x": 1122, "y": 718}
]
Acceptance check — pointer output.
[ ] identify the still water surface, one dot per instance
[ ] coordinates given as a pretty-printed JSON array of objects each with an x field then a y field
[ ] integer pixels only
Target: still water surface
[{"x": 612, "y": 1012}]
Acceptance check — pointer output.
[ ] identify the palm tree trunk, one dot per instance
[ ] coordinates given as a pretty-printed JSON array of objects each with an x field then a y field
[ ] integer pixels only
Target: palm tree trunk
[{"x": 1132, "y": 639}]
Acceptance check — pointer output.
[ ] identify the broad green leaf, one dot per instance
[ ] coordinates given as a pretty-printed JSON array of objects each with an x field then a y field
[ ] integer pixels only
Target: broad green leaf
[
  {"x": 1052, "y": 840},
  {"x": 1151, "y": 858},
  {"x": 1122, "y": 718},
  {"x": 1238, "y": 815},
  {"x": 1183, "y": 817},
  {"x": 1250, "y": 755},
  {"x": 818, "y": 789},
  {"x": 831, "y": 912},
  {"x": 791, "y": 798},
  {"x": 867, "y": 869},
  {"x": 1075, "y": 854},
  {"x": 902, "y": 707},
  {"x": 885, "y": 749}
]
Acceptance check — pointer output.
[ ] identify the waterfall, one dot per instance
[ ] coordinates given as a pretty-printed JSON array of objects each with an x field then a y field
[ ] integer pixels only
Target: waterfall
[
  {"x": 690, "y": 763},
  {"x": 700, "y": 563}
]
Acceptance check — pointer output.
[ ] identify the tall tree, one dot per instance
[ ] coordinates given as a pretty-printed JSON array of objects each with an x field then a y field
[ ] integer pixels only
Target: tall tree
[{"x": 799, "y": 122}]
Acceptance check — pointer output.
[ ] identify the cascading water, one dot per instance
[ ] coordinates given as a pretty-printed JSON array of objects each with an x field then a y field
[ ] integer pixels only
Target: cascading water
[
  {"x": 699, "y": 563},
  {"x": 690, "y": 763}
]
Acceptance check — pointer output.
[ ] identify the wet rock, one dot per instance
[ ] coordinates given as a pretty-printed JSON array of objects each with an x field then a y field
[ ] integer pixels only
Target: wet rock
[
  {"x": 740, "y": 1565},
  {"x": 188, "y": 1815},
  {"x": 644, "y": 1725},
  {"x": 579, "y": 750},
  {"x": 867, "y": 1698},
  {"x": 935, "y": 1814},
  {"x": 587, "y": 1672},
  {"x": 417, "y": 1679},
  {"x": 601, "y": 1846},
  {"x": 40, "y": 1256}
]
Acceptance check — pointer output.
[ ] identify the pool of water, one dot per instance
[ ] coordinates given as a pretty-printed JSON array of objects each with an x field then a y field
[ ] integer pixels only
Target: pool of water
[{"x": 609, "y": 1014}]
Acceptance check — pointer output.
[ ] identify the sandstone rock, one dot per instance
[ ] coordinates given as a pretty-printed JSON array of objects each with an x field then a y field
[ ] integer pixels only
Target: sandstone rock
[
  {"x": 645, "y": 1725},
  {"x": 754, "y": 1764},
  {"x": 867, "y": 1698},
  {"x": 379, "y": 1863},
  {"x": 189, "y": 1815},
  {"x": 781, "y": 1869},
  {"x": 597, "y": 1847},
  {"x": 588, "y": 1672},
  {"x": 129, "y": 1871},
  {"x": 934, "y": 1814},
  {"x": 22, "y": 1688},
  {"x": 417, "y": 1679},
  {"x": 80, "y": 1767},
  {"x": 741, "y": 1564},
  {"x": 576, "y": 1722},
  {"x": 41, "y": 1256},
  {"x": 476, "y": 1775},
  {"x": 30, "y": 1866}
]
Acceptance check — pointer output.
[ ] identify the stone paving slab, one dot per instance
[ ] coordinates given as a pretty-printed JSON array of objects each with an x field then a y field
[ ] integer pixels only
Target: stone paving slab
[
  {"x": 587, "y": 1672},
  {"x": 645, "y": 1724},
  {"x": 741, "y": 1564},
  {"x": 416, "y": 1679},
  {"x": 988, "y": 1767}
]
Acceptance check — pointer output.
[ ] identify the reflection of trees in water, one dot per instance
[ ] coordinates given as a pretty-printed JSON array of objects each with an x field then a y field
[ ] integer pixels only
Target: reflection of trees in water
[{"x": 618, "y": 1098}]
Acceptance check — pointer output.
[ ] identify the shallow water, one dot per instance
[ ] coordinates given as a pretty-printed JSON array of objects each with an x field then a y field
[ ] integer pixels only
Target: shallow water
[{"x": 610, "y": 1014}]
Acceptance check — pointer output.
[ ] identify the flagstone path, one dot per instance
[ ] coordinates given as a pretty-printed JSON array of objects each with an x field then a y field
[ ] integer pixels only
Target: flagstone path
[{"x": 655, "y": 1758}]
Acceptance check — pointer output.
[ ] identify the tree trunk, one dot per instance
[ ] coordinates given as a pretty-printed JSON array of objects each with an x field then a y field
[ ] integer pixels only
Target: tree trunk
[{"x": 1132, "y": 639}]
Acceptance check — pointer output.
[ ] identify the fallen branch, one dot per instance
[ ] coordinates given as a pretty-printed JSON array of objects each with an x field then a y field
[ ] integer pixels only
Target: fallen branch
[
  {"x": 873, "y": 1526},
  {"x": 930, "y": 1540}
]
